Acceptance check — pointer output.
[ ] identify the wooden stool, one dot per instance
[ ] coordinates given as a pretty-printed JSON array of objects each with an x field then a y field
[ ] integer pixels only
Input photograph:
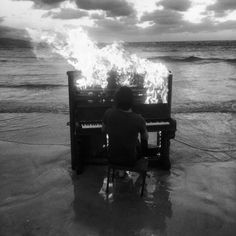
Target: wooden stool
[{"x": 140, "y": 167}]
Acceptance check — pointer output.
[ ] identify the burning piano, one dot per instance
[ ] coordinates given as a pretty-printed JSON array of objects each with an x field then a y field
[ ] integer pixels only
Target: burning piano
[
  {"x": 99, "y": 71},
  {"x": 89, "y": 99}
]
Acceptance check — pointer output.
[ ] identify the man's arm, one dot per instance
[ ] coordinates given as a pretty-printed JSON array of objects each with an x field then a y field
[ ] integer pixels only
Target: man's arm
[
  {"x": 144, "y": 134},
  {"x": 144, "y": 137},
  {"x": 143, "y": 129},
  {"x": 144, "y": 141},
  {"x": 105, "y": 120},
  {"x": 104, "y": 127}
]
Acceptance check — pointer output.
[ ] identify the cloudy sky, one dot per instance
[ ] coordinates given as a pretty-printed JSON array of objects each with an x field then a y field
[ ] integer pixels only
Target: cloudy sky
[{"x": 127, "y": 20}]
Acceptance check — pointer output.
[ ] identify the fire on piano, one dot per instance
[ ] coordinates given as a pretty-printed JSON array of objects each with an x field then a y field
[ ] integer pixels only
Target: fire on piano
[{"x": 87, "y": 107}]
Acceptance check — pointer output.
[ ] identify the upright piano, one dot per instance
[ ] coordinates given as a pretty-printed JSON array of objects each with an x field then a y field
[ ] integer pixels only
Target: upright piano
[{"x": 87, "y": 107}]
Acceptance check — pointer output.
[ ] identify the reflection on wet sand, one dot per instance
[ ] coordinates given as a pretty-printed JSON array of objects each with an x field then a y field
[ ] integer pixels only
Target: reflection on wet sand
[
  {"x": 39, "y": 195},
  {"x": 123, "y": 212}
]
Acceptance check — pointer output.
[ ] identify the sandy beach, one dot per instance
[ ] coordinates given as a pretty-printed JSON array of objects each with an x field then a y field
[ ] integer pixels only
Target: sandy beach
[{"x": 40, "y": 195}]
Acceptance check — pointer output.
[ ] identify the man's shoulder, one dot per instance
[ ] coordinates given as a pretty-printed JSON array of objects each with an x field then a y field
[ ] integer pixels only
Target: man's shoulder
[
  {"x": 137, "y": 119},
  {"x": 115, "y": 112},
  {"x": 108, "y": 113},
  {"x": 138, "y": 116}
]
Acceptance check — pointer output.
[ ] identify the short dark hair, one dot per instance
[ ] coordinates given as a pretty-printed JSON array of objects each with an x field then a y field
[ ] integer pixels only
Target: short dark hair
[{"x": 124, "y": 98}]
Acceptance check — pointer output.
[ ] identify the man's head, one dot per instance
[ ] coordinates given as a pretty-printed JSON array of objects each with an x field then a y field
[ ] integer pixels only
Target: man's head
[{"x": 124, "y": 98}]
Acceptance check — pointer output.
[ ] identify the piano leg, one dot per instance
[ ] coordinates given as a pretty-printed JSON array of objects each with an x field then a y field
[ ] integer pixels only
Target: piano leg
[
  {"x": 81, "y": 146},
  {"x": 78, "y": 160},
  {"x": 164, "y": 160},
  {"x": 73, "y": 152}
]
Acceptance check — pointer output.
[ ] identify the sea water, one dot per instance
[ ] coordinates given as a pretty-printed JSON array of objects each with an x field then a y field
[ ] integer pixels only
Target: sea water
[{"x": 204, "y": 76}]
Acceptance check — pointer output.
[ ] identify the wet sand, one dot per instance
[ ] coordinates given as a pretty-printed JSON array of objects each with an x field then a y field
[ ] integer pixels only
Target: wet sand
[{"x": 40, "y": 195}]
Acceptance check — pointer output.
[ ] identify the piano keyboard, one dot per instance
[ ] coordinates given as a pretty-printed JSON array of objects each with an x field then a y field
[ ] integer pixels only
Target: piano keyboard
[
  {"x": 91, "y": 126},
  {"x": 157, "y": 123},
  {"x": 99, "y": 125}
]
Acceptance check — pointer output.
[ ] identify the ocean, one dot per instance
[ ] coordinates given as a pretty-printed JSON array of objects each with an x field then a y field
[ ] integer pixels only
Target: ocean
[
  {"x": 40, "y": 195},
  {"x": 204, "y": 76}
]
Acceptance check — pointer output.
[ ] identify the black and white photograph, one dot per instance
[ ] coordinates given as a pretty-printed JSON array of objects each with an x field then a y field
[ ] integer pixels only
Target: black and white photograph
[{"x": 117, "y": 117}]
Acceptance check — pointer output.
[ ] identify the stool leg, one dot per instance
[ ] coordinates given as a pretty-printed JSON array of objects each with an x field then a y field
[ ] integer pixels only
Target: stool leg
[
  {"x": 113, "y": 174},
  {"x": 143, "y": 184},
  {"x": 108, "y": 179}
]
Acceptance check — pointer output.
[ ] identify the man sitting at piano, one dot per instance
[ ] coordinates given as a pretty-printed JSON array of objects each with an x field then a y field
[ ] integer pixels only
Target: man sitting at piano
[{"x": 123, "y": 127}]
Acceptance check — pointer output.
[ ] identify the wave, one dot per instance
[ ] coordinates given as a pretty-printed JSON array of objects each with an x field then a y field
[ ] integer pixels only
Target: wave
[
  {"x": 14, "y": 43},
  {"x": 193, "y": 59},
  {"x": 15, "y": 59},
  {"x": 200, "y": 107},
  {"x": 33, "y": 86},
  {"x": 194, "y": 107},
  {"x": 22, "y": 75},
  {"x": 20, "y": 107},
  {"x": 5, "y": 60}
]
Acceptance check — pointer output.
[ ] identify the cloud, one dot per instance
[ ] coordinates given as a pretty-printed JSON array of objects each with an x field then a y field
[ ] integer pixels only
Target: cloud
[
  {"x": 112, "y": 7},
  {"x": 166, "y": 25},
  {"x": 206, "y": 26},
  {"x": 228, "y": 25},
  {"x": 163, "y": 17},
  {"x": 110, "y": 29},
  {"x": 66, "y": 14},
  {"x": 45, "y": 4},
  {"x": 164, "y": 22},
  {"x": 176, "y": 5},
  {"x": 117, "y": 19},
  {"x": 49, "y": 2},
  {"x": 114, "y": 25},
  {"x": 97, "y": 16},
  {"x": 220, "y": 7}
]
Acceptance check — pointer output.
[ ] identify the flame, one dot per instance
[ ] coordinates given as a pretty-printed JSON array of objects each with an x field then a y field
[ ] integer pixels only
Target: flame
[{"x": 111, "y": 61}]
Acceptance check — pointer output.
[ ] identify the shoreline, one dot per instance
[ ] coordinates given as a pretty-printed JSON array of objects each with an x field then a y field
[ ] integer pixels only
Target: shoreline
[{"x": 230, "y": 107}]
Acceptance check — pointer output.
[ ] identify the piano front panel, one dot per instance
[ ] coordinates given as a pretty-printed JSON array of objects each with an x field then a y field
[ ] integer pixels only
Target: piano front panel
[
  {"x": 152, "y": 112},
  {"x": 158, "y": 111},
  {"x": 89, "y": 113}
]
